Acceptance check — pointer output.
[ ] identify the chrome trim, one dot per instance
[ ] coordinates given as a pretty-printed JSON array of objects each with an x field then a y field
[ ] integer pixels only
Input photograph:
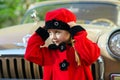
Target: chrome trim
[
  {"x": 101, "y": 68},
  {"x": 107, "y": 47},
  {"x": 25, "y": 40},
  {"x": 115, "y": 75},
  {"x": 12, "y": 52}
]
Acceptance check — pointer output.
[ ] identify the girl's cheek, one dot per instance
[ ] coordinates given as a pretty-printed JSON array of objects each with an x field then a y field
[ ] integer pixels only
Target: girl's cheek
[
  {"x": 51, "y": 36},
  {"x": 58, "y": 36}
]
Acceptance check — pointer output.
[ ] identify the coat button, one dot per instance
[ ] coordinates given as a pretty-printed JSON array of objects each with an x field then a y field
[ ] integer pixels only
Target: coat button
[{"x": 64, "y": 65}]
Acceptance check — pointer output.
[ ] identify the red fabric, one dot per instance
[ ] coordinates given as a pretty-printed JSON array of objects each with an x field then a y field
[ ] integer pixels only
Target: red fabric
[
  {"x": 61, "y": 14},
  {"x": 50, "y": 59}
]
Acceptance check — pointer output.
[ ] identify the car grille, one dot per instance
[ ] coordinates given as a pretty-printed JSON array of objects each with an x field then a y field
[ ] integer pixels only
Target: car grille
[{"x": 19, "y": 68}]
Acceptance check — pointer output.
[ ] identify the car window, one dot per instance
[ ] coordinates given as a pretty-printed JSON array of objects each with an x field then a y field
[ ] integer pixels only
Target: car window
[{"x": 85, "y": 11}]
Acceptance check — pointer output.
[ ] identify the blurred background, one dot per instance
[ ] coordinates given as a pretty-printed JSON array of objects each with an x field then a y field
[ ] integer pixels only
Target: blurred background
[{"x": 12, "y": 11}]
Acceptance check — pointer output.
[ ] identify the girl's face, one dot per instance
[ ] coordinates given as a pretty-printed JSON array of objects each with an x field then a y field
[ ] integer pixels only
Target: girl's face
[{"x": 58, "y": 36}]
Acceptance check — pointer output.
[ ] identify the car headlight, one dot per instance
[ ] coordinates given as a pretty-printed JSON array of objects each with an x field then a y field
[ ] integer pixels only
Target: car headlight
[{"x": 113, "y": 45}]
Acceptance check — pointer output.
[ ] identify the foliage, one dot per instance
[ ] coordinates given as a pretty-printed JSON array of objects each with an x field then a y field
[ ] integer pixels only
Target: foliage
[{"x": 11, "y": 11}]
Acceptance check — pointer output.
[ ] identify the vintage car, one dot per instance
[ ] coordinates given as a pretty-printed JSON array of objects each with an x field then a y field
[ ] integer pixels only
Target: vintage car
[{"x": 101, "y": 19}]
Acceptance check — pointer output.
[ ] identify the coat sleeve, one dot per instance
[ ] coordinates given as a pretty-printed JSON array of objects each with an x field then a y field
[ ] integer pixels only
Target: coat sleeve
[
  {"x": 34, "y": 53},
  {"x": 87, "y": 50}
]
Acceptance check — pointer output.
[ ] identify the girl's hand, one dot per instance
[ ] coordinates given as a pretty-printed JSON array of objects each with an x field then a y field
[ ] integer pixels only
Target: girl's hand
[{"x": 71, "y": 24}]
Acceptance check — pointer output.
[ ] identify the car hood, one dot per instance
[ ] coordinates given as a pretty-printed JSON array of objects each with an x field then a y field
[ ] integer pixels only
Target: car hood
[{"x": 11, "y": 36}]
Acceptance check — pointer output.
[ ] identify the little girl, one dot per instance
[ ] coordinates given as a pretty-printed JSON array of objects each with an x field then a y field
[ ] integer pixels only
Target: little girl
[{"x": 71, "y": 53}]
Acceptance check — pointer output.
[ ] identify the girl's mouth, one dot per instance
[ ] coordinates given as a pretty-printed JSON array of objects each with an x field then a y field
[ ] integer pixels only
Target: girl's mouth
[{"x": 56, "y": 42}]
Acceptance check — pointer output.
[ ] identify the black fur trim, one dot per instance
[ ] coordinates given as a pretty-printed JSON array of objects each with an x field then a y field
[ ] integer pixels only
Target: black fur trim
[
  {"x": 57, "y": 24},
  {"x": 43, "y": 33},
  {"x": 76, "y": 29},
  {"x": 61, "y": 46}
]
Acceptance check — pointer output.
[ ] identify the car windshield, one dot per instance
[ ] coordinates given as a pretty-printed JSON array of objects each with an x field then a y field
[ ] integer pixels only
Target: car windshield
[{"x": 86, "y": 12}]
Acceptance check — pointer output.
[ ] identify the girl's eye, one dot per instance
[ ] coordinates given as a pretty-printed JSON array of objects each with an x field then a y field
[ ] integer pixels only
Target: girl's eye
[{"x": 57, "y": 32}]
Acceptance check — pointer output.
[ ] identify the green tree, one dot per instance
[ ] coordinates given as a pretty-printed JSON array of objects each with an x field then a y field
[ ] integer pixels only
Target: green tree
[{"x": 11, "y": 11}]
